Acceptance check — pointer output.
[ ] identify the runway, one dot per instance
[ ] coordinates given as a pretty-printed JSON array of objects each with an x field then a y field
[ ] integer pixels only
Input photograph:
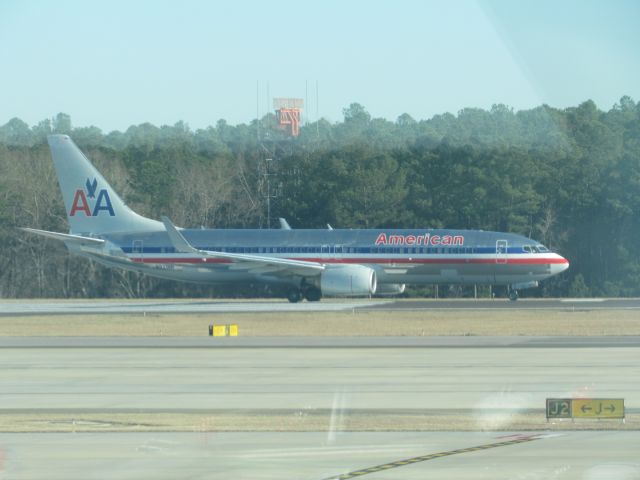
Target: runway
[
  {"x": 333, "y": 408},
  {"x": 563, "y": 304},
  {"x": 75, "y": 307}
]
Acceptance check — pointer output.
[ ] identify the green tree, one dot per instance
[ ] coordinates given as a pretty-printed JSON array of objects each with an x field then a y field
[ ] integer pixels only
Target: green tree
[
  {"x": 16, "y": 132},
  {"x": 578, "y": 288}
]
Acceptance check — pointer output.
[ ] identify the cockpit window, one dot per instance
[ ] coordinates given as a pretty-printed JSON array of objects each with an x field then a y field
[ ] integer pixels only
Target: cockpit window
[
  {"x": 541, "y": 248},
  {"x": 527, "y": 248}
]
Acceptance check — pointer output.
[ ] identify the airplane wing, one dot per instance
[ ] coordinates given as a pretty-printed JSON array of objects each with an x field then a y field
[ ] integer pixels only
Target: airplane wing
[
  {"x": 239, "y": 261},
  {"x": 66, "y": 237}
]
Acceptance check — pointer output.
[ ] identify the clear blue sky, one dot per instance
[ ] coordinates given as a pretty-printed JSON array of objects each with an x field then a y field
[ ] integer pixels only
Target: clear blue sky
[{"x": 114, "y": 63}]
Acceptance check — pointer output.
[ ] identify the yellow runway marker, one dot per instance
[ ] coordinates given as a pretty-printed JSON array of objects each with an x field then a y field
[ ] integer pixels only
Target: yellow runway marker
[{"x": 432, "y": 456}]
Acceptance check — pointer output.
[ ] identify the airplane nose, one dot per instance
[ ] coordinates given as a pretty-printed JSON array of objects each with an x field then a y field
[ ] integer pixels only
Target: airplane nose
[{"x": 560, "y": 265}]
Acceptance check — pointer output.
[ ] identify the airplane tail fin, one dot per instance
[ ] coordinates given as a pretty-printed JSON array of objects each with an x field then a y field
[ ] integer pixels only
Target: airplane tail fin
[{"x": 92, "y": 205}]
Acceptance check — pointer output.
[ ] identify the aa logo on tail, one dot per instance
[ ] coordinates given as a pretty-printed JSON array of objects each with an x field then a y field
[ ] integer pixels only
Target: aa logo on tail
[{"x": 80, "y": 202}]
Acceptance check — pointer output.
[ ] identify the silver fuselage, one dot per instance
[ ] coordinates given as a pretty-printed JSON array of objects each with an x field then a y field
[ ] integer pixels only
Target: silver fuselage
[{"x": 426, "y": 256}]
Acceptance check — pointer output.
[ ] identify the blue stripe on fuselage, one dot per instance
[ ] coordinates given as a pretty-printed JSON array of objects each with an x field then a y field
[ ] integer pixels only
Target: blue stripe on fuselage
[{"x": 311, "y": 249}]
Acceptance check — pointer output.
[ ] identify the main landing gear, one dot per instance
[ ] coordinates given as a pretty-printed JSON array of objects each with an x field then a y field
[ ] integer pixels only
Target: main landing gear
[
  {"x": 294, "y": 295},
  {"x": 311, "y": 294},
  {"x": 513, "y": 295}
]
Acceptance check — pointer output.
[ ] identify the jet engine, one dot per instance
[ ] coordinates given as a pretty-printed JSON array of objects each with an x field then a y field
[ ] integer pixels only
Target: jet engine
[
  {"x": 390, "y": 289},
  {"x": 348, "y": 280}
]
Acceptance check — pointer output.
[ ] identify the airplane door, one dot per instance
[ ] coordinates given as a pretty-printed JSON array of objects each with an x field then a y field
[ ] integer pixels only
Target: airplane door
[
  {"x": 138, "y": 248},
  {"x": 501, "y": 251}
]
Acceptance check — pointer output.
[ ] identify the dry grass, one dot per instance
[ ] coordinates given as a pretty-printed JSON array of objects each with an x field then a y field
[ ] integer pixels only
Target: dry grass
[
  {"x": 356, "y": 323},
  {"x": 302, "y": 421}
]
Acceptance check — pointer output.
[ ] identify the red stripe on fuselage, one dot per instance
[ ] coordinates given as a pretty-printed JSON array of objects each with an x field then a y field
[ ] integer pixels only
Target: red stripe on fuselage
[
  {"x": 179, "y": 260},
  {"x": 383, "y": 261}
]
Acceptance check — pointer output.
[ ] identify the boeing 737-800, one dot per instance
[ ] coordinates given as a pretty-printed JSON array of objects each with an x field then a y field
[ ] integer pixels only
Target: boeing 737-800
[{"x": 311, "y": 263}]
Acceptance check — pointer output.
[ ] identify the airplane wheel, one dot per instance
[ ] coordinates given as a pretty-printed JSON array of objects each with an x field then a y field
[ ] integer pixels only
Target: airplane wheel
[
  {"x": 313, "y": 294},
  {"x": 294, "y": 295},
  {"x": 513, "y": 295}
]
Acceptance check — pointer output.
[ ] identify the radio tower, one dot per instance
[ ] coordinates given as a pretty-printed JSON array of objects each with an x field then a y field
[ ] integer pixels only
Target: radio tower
[{"x": 288, "y": 112}]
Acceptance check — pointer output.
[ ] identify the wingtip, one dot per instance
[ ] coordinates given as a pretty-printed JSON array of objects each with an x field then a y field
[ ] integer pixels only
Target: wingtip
[
  {"x": 168, "y": 224},
  {"x": 179, "y": 242}
]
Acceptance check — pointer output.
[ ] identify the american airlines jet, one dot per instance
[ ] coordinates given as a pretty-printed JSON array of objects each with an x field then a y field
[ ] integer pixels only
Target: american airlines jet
[{"x": 311, "y": 263}]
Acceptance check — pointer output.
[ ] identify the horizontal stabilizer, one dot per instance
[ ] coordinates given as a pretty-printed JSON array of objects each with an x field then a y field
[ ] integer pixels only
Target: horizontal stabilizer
[{"x": 66, "y": 237}]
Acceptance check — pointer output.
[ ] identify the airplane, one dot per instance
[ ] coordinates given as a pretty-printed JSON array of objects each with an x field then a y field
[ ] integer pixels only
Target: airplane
[{"x": 309, "y": 263}]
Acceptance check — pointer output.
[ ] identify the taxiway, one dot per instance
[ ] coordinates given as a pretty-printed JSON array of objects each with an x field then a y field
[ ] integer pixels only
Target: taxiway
[
  {"x": 127, "y": 376},
  {"x": 317, "y": 456}
]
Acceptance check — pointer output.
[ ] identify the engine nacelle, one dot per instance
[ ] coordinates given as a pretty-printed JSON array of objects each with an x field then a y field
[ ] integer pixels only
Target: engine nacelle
[
  {"x": 522, "y": 286},
  {"x": 348, "y": 280},
  {"x": 390, "y": 289}
]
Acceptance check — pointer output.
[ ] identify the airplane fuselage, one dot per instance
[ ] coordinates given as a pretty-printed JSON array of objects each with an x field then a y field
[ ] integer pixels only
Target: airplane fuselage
[{"x": 427, "y": 256}]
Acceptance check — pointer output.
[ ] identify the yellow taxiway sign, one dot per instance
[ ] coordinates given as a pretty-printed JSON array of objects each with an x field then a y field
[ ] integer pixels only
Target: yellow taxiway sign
[{"x": 597, "y": 408}]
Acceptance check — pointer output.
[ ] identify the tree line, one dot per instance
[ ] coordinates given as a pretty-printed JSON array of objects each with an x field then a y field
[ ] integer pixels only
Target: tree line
[{"x": 569, "y": 178}]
